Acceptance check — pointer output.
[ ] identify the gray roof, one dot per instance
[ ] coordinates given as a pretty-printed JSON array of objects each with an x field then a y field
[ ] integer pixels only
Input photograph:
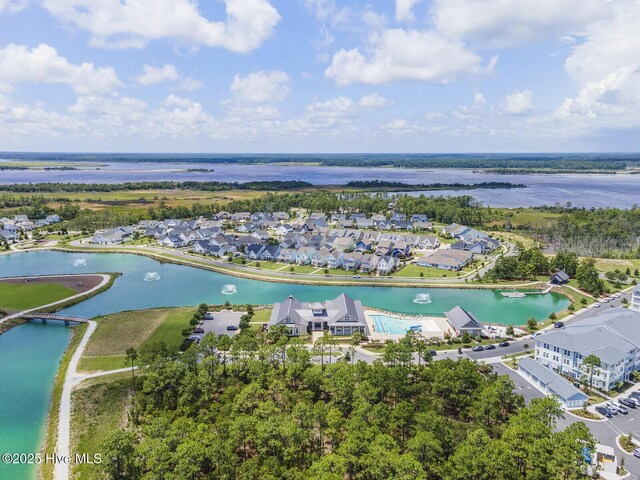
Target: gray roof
[
  {"x": 551, "y": 380},
  {"x": 333, "y": 313},
  {"x": 610, "y": 335},
  {"x": 460, "y": 319}
]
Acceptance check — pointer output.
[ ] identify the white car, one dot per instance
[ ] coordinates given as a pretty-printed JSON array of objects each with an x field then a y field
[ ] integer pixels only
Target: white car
[
  {"x": 606, "y": 300},
  {"x": 597, "y": 304},
  {"x": 616, "y": 295}
]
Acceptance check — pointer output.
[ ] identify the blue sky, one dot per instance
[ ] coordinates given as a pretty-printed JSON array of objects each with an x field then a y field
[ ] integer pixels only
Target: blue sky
[{"x": 320, "y": 75}]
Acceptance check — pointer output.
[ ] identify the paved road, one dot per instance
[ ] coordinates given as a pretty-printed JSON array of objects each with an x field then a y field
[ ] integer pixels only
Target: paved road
[{"x": 517, "y": 346}]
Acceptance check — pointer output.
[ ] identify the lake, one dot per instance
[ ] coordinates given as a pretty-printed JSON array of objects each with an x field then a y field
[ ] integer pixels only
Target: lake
[
  {"x": 182, "y": 285},
  {"x": 29, "y": 359},
  {"x": 582, "y": 190},
  {"x": 30, "y": 353}
]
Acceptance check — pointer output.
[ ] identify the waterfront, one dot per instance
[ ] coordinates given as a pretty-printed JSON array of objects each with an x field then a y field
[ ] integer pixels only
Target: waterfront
[
  {"x": 582, "y": 190},
  {"x": 183, "y": 285},
  {"x": 29, "y": 359}
]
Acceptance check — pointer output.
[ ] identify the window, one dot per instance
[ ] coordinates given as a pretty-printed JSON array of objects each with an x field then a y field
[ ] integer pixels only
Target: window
[{"x": 288, "y": 320}]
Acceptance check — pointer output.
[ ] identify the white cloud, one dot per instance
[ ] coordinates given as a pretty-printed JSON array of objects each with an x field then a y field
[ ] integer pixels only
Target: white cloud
[
  {"x": 261, "y": 87},
  {"x": 397, "y": 54},
  {"x": 152, "y": 75},
  {"x": 175, "y": 101},
  {"x": 400, "y": 126},
  {"x": 404, "y": 10},
  {"x": 334, "y": 115},
  {"x": 326, "y": 38},
  {"x": 508, "y": 23},
  {"x": 519, "y": 102},
  {"x": 43, "y": 64},
  {"x": 12, "y": 6},
  {"x": 190, "y": 84},
  {"x": 374, "y": 100},
  {"x": 128, "y": 24},
  {"x": 478, "y": 100}
]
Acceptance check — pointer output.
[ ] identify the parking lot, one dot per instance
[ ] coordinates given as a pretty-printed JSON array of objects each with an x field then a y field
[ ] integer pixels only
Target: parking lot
[{"x": 222, "y": 320}]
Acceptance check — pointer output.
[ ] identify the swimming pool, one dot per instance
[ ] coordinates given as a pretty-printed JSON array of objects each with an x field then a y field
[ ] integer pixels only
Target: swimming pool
[{"x": 394, "y": 325}]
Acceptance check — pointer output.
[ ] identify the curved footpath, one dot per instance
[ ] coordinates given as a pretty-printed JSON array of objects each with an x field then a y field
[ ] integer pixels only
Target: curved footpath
[{"x": 103, "y": 282}]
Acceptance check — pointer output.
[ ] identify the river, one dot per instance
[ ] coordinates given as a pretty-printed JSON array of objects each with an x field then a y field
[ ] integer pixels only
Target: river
[
  {"x": 30, "y": 353},
  {"x": 582, "y": 190}
]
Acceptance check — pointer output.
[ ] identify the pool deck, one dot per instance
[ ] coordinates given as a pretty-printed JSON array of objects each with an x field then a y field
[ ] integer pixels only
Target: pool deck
[{"x": 431, "y": 326}]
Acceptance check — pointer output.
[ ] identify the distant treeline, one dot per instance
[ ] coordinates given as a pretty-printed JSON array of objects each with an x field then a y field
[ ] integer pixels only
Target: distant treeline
[
  {"x": 541, "y": 162},
  {"x": 9, "y": 167},
  {"x": 276, "y": 185},
  {"x": 389, "y": 185}
]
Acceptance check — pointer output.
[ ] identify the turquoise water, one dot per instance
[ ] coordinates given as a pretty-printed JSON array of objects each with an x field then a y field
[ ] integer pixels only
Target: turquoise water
[
  {"x": 30, "y": 354},
  {"x": 182, "y": 285},
  {"x": 395, "y": 325},
  {"x": 29, "y": 359}
]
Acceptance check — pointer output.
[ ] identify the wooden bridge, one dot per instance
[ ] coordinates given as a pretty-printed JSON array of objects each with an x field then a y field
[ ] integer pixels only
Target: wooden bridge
[{"x": 52, "y": 316}]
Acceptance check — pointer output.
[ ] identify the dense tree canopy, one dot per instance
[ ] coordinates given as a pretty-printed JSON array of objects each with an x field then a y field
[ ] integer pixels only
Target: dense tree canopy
[{"x": 272, "y": 414}]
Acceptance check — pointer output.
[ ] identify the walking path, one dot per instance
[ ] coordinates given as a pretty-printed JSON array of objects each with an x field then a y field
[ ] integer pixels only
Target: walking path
[{"x": 105, "y": 280}]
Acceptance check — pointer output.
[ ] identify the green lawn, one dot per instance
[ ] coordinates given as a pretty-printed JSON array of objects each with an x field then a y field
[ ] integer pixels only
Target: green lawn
[
  {"x": 415, "y": 270},
  {"x": 22, "y": 296},
  {"x": 98, "y": 406},
  {"x": 261, "y": 316},
  {"x": 115, "y": 333}
]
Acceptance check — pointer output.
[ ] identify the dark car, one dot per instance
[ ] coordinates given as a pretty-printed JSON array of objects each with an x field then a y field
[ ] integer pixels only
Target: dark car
[
  {"x": 604, "y": 412},
  {"x": 198, "y": 330},
  {"x": 459, "y": 351},
  {"x": 558, "y": 324},
  {"x": 634, "y": 394},
  {"x": 232, "y": 328},
  {"x": 490, "y": 347},
  {"x": 477, "y": 348},
  {"x": 626, "y": 403},
  {"x": 433, "y": 353},
  {"x": 503, "y": 344}
]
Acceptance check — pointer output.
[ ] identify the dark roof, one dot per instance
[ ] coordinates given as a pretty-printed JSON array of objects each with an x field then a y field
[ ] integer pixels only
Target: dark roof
[
  {"x": 561, "y": 275},
  {"x": 461, "y": 319}
]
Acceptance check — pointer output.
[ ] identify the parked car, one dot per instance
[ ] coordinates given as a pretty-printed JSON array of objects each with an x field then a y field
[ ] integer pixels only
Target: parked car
[
  {"x": 604, "y": 412},
  {"x": 558, "y": 324},
  {"x": 232, "y": 328},
  {"x": 636, "y": 452},
  {"x": 194, "y": 338},
  {"x": 635, "y": 401},
  {"x": 459, "y": 351},
  {"x": 433, "y": 353},
  {"x": 503, "y": 344},
  {"x": 198, "y": 330},
  {"x": 597, "y": 304},
  {"x": 606, "y": 300},
  {"x": 614, "y": 408},
  {"x": 357, "y": 276},
  {"x": 478, "y": 348},
  {"x": 208, "y": 316},
  {"x": 626, "y": 403},
  {"x": 489, "y": 347},
  {"x": 635, "y": 394},
  {"x": 623, "y": 410}
]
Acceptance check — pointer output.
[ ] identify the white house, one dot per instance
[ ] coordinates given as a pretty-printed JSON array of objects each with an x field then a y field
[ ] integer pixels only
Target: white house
[{"x": 113, "y": 236}]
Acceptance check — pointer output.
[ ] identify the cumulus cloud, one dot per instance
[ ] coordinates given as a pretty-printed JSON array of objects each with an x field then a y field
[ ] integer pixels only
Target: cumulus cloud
[
  {"x": 400, "y": 126},
  {"x": 43, "y": 64},
  {"x": 519, "y": 102},
  {"x": 152, "y": 75},
  {"x": 508, "y": 23},
  {"x": 261, "y": 87},
  {"x": 133, "y": 24},
  {"x": 374, "y": 100},
  {"x": 334, "y": 115},
  {"x": 404, "y": 10},
  {"x": 397, "y": 54}
]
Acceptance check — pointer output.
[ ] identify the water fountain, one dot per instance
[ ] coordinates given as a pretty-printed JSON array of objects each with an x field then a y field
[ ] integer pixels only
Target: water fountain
[
  {"x": 80, "y": 262},
  {"x": 422, "y": 298},
  {"x": 152, "y": 277},
  {"x": 229, "y": 289}
]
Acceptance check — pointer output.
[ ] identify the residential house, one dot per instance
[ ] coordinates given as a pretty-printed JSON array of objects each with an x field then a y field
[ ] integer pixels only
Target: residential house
[
  {"x": 387, "y": 264},
  {"x": 384, "y": 247},
  {"x": 368, "y": 262},
  {"x": 281, "y": 216},
  {"x": 253, "y": 251},
  {"x": 320, "y": 260},
  {"x": 403, "y": 225},
  {"x": 365, "y": 222},
  {"x": 9, "y": 236},
  {"x": 344, "y": 243},
  {"x": 418, "y": 217},
  {"x": 400, "y": 249},
  {"x": 282, "y": 230},
  {"x": 378, "y": 217},
  {"x": 559, "y": 278},
  {"x": 428, "y": 242},
  {"x": 340, "y": 316},
  {"x": 352, "y": 261},
  {"x": 423, "y": 225},
  {"x": 113, "y": 236},
  {"x": 287, "y": 255},
  {"x": 335, "y": 259},
  {"x": 246, "y": 227},
  {"x": 398, "y": 217},
  {"x": 270, "y": 253},
  {"x": 446, "y": 259},
  {"x": 304, "y": 255}
]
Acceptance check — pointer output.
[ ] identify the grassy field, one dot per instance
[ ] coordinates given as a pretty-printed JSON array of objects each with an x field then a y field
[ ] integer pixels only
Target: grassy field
[
  {"x": 261, "y": 316},
  {"x": 98, "y": 406},
  {"x": 611, "y": 264},
  {"x": 115, "y": 333},
  {"x": 22, "y": 296}
]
